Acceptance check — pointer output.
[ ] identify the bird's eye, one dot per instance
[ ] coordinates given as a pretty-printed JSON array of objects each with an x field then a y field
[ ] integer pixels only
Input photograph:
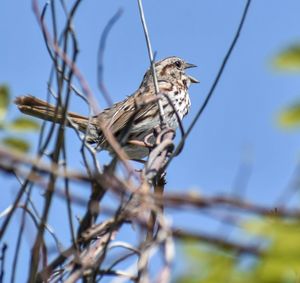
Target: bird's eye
[{"x": 178, "y": 64}]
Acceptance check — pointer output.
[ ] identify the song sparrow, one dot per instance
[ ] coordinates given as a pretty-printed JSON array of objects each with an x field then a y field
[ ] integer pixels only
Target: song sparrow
[{"x": 138, "y": 111}]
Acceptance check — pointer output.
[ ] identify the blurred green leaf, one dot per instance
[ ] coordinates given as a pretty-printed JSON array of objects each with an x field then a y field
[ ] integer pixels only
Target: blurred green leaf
[
  {"x": 278, "y": 264},
  {"x": 4, "y": 100},
  {"x": 289, "y": 59},
  {"x": 23, "y": 125},
  {"x": 16, "y": 144},
  {"x": 281, "y": 260},
  {"x": 208, "y": 264},
  {"x": 2, "y": 125},
  {"x": 290, "y": 117}
]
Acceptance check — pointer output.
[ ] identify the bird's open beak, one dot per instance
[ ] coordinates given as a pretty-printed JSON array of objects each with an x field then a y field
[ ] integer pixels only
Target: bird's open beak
[
  {"x": 193, "y": 80},
  {"x": 187, "y": 66}
]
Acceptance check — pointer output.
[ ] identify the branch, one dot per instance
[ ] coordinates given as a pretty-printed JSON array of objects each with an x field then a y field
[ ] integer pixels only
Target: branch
[
  {"x": 101, "y": 50},
  {"x": 9, "y": 160},
  {"x": 217, "y": 241},
  {"x": 216, "y": 81},
  {"x": 150, "y": 53}
]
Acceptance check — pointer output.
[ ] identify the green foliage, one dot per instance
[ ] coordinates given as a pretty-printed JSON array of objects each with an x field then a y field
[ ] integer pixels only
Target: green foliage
[
  {"x": 289, "y": 59},
  {"x": 290, "y": 117},
  {"x": 207, "y": 264},
  {"x": 4, "y": 100},
  {"x": 280, "y": 262},
  {"x": 16, "y": 144},
  {"x": 19, "y": 124},
  {"x": 24, "y": 125}
]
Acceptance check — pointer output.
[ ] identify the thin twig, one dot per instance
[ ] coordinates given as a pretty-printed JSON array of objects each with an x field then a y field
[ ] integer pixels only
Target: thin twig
[
  {"x": 216, "y": 81},
  {"x": 101, "y": 50},
  {"x": 217, "y": 241},
  {"x": 150, "y": 54},
  {"x": 2, "y": 262}
]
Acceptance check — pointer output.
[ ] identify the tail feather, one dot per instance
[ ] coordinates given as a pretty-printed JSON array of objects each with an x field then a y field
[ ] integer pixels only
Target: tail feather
[{"x": 41, "y": 109}]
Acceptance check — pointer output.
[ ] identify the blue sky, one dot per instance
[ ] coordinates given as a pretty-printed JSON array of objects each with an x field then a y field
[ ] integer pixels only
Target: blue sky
[{"x": 240, "y": 120}]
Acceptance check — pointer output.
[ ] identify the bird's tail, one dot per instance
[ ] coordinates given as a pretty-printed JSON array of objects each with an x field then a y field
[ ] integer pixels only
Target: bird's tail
[{"x": 41, "y": 109}]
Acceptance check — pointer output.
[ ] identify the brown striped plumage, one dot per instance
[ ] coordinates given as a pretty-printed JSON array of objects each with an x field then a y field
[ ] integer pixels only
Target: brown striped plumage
[{"x": 138, "y": 111}]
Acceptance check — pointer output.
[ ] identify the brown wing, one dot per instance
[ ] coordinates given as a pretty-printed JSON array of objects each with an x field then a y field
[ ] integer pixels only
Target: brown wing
[
  {"x": 121, "y": 113},
  {"x": 117, "y": 117}
]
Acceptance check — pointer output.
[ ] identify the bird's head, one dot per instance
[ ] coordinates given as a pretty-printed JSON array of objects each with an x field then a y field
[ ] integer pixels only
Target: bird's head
[{"x": 173, "y": 68}]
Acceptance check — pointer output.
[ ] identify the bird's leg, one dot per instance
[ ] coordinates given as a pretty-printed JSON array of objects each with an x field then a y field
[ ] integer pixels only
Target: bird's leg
[
  {"x": 138, "y": 143},
  {"x": 145, "y": 143}
]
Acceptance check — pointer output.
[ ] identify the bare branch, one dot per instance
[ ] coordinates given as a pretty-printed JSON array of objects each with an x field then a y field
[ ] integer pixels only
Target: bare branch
[
  {"x": 216, "y": 81},
  {"x": 101, "y": 50},
  {"x": 150, "y": 53}
]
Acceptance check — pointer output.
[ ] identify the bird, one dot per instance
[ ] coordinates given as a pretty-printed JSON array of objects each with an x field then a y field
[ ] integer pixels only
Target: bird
[{"x": 138, "y": 114}]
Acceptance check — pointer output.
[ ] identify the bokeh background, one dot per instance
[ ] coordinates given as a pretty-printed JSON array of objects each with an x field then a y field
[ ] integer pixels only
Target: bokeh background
[{"x": 238, "y": 134}]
